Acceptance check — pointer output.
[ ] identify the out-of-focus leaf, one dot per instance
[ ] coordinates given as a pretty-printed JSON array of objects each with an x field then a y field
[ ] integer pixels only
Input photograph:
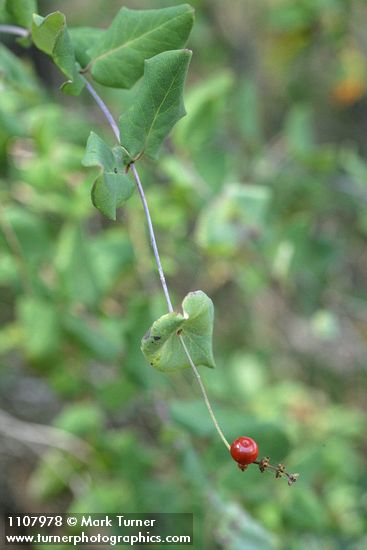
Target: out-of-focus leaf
[
  {"x": 9, "y": 125},
  {"x": 325, "y": 325},
  {"x": 81, "y": 419},
  {"x": 104, "y": 494},
  {"x": 204, "y": 102},
  {"x": 158, "y": 104},
  {"x": 233, "y": 218},
  {"x": 111, "y": 255},
  {"x": 299, "y": 130},
  {"x": 235, "y": 529},
  {"x": 161, "y": 345},
  {"x": 21, "y": 11},
  {"x": 32, "y": 233},
  {"x": 248, "y": 116},
  {"x": 50, "y": 35},
  {"x": 75, "y": 267},
  {"x": 354, "y": 165},
  {"x": 14, "y": 72},
  {"x": 40, "y": 326},
  {"x": 134, "y": 36},
  {"x": 52, "y": 475},
  {"x": 307, "y": 512},
  {"x": 94, "y": 339},
  {"x": 113, "y": 187}
]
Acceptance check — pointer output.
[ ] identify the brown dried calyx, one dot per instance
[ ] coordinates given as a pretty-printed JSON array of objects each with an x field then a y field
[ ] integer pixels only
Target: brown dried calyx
[{"x": 280, "y": 471}]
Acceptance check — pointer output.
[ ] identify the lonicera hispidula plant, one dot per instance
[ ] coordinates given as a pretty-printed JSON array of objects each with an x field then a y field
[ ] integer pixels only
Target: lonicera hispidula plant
[{"x": 145, "y": 45}]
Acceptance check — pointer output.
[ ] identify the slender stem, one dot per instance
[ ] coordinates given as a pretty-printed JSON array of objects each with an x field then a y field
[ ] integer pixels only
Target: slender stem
[
  {"x": 152, "y": 237},
  {"x": 13, "y": 29},
  {"x": 153, "y": 241},
  {"x": 105, "y": 110},
  {"x": 205, "y": 395}
]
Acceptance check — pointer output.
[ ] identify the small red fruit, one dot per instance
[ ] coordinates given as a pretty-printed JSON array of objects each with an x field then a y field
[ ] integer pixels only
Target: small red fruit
[{"x": 244, "y": 451}]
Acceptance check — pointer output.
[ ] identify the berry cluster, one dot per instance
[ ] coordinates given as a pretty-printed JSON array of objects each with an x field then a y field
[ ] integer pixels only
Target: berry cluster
[{"x": 244, "y": 450}]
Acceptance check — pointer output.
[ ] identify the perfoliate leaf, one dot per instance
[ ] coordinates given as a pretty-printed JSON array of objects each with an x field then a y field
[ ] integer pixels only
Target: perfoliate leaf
[
  {"x": 82, "y": 38},
  {"x": 112, "y": 187},
  {"x": 50, "y": 35},
  {"x": 158, "y": 104},
  {"x": 134, "y": 36},
  {"x": 21, "y": 11},
  {"x": 161, "y": 345}
]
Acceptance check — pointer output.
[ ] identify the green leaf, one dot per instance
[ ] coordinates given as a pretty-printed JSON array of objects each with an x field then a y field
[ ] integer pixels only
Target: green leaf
[
  {"x": 81, "y": 38},
  {"x": 158, "y": 104},
  {"x": 40, "y": 326},
  {"x": 81, "y": 419},
  {"x": 161, "y": 345},
  {"x": 74, "y": 266},
  {"x": 234, "y": 218},
  {"x": 134, "y": 36},
  {"x": 50, "y": 35},
  {"x": 15, "y": 73},
  {"x": 92, "y": 338},
  {"x": 205, "y": 103},
  {"x": 21, "y": 11},
  {"x": 240, "y": 530},
  {"x": 112, "y": 187}
]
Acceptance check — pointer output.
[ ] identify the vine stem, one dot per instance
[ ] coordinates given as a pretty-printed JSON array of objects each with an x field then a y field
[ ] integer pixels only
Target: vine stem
[
  {"x": 105, "y": 110},
  {"x": 107, "y": 113},
  {"x": 205, "y": 395},
  {"x": 152, "y": 237},
  {"x": 13, "y": 29}
]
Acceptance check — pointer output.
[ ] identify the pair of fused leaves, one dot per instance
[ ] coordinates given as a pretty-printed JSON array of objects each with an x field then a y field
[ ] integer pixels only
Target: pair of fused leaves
[
  {"x": 157, "y": 106},
  {"x": 117, "y": 57},
  {"x": 119, "y": 52},
  {"x": 113, "y": 186},
  {"x": 161, "y": 345},
  {"x": 137, "y": 42}
]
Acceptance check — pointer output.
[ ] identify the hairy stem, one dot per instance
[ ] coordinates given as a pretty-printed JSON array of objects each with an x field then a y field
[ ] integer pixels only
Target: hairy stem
[{"x": 13, "y": 29}]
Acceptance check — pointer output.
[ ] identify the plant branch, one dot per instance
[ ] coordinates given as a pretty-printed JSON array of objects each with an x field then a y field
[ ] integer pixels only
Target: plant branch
[
  {"x": 153, "y": 241},
  {"x": 205, "y": 395},
  {"x": 152, "y": 237},
  {"x": 105, "y": 110},
  {"x": 13, "y": 29}
]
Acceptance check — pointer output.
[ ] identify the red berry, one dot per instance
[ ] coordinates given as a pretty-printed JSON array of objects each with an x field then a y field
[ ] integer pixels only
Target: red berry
[{"x": 244, "y": 450}]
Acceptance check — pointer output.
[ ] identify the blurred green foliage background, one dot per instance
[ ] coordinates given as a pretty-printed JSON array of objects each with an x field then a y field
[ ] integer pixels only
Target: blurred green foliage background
[{"x": 259, "y": 199}]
